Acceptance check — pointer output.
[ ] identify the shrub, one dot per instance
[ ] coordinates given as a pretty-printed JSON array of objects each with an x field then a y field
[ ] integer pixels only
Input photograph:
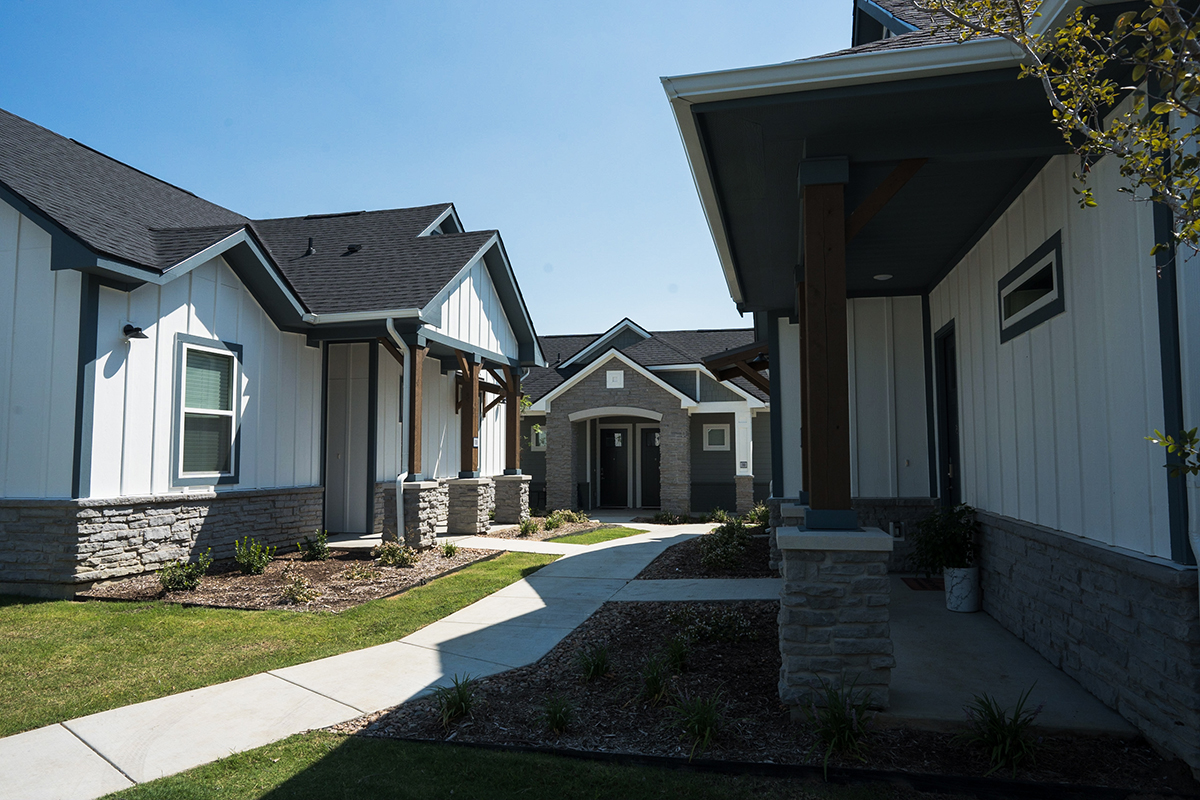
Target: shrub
[
  {"x": 360, "y": 572},
  {"x": 391, "y": 554},
  {"x": 455, "y": 701},
  {"x": 594, "y": 662},
  {"x": 656, "y": 680},
  {"x": 492, "y": 515},
  {"x": 573, "y": 517},
  {"x": 180, "y": 576},
  {"x": 839, "y": 719},
  {"x": 759, "y": 515},
  {"x": 1007, "y": 738},
  {"x": 252, "y": 556},
  {"x": 725, "y": 547},
  {"x": 314, "y": 549},
  {"x": 300, "y": 591},
  {"x": 717, "y": 515},
  {"x": 529, "y": 526},
  {"x": 667, "y": 518},
  {"x": 678, "y": 649},
  {"x": 700, "y": 718},
  {"x": 945, "y": 538},
  {"x": 558, "y": 714},
  {"x": 555, "y": 520},
  {"x": 449, "y": 549},
  {"x": 718, "y": 624}
]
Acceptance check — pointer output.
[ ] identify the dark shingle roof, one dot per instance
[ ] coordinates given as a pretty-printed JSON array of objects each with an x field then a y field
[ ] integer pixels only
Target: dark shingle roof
[
  {"x": 111, "y": 207},
  {"x": 905, "y": 11}
]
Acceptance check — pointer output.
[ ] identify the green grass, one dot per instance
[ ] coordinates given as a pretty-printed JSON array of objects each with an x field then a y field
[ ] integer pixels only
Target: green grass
[
  {"x": 324, "y": 765},
  {"x": 61, "y": 659},
  {"x": 596, "y": 536}
]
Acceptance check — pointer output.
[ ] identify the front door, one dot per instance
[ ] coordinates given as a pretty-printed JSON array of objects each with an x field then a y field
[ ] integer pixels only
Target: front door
[
  {"x": 650, "y": 460},
  {"x": 614, "y": 467},
  {"x": 946, "y": 372},
  {"x": 347, "y": 471}
]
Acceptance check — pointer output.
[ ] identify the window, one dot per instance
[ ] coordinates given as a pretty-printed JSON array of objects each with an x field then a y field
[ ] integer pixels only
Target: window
[
  {"x": 716, "y": 437},
  {"x": 616, "y": 379},
  {"x": 1032, "y": 293},
  {"x": 537, "y": 438},
  {"x": 207, "y": 381}
]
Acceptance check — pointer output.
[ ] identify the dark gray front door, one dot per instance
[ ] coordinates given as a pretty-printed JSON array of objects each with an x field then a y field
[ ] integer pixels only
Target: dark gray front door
[
  {"x": 614, "y": 467},
  {"x": 650, "y": 461}
]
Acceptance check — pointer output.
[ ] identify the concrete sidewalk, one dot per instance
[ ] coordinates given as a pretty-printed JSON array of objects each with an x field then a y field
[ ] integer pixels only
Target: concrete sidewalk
[{"x": 87, "y": 757}]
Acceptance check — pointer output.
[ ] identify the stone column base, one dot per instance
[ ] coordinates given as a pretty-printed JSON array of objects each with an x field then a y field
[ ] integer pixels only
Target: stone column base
[
  {"x": 833, "y": 614},
  {"x": 512, "y": 498},
  {"x": 470, "y": 502},
  {"x": 744, "y": 485},
  {"x": 425, "y": 507}
]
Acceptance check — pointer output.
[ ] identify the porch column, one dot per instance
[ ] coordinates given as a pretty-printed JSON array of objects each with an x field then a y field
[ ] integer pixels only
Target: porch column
[
  {"x": 512, "y": 422},
  {"x": 743, "y": 443},
  {"x": 469, "y": 410},
  {"x": 805, "y": 450},
  {"x": 415, "y": 411}
]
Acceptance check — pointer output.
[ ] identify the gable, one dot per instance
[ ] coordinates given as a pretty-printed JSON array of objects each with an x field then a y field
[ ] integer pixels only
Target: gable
[
  {"x": 472, "y": 312},
  {"x": 595, "y": 373}
]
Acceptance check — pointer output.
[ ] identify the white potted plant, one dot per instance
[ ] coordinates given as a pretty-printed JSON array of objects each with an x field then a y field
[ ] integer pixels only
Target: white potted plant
[{"x": 945, "y": 542}]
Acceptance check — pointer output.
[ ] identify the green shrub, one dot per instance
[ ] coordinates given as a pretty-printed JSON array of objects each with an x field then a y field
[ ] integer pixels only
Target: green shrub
[
  {"x": 725, "y": 547},
  {"x": 252, "y": 556},
  {"x": 945, "y": 538},
  {"x": 717, "y": 515},
  {"x": 668, "y": 518},
  {"x": 717, "y": 624},
  {"x": 678, "y": 649},
  {"x": 391, "y": 554},
  {"x": 449, "y": 549},
  {"x": 700, "y": 718},
  {"x": 656, "y": 680},
  {"x": 594, "y": 662},
  {"x": 529, "y": 526},
  {"x": 455, "y": 701},
  {"x": 361, "y": 572},
  {"x": 492, "y": 515},
  {"x": 573, "y": 517},
  {"x": 180, "y": 576},
  {"x": 299, "y": 591},
  {"x": 558, "y": 714},
  {"x": 759, "y": 515},
  {"x": 314, "y": 549},
  {"x": 1007, "y": 739},
  {"x": 839, "y": 719},
  {"x": 554, "y": 521}
]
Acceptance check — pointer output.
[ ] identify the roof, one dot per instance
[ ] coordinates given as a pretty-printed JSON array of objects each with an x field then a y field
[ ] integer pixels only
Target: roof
[{"x": 663, "y": 348}]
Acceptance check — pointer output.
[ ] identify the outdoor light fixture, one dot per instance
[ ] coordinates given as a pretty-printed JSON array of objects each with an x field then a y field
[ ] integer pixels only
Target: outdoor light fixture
[
  {"x": 132, "y": 331},
  {"x": 883, "y": 276}
]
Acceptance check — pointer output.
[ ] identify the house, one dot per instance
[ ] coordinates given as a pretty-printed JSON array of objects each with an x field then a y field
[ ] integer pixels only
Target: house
[
  {"x": 174, "y": 376},
  {"x": 944, "y": 321},
  {"x": 631, "y": 418}
]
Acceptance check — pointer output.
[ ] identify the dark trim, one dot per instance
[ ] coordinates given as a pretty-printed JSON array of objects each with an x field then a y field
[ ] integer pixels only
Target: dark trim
[
  {"x": 89, "y": 321},
  {"x": 777, "y": 484},
  {"x": 943, "y": 443},
  {"x": 67, "y": 251},
  {"x": 1172, "y": 380},
  {"x": 701, "y": 128},
  {"x": 930, "y": 421},
  {"x": 1052, "y": 309},
  {"x": 372, "y": 429},
  {"x": 235, "y": 350},
  {"x": 897, "y": 26},
  {"x": 324, "y": 431}
]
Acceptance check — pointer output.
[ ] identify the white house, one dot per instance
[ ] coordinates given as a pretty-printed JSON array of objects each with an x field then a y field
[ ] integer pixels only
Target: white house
[
  {"x": 946, "y": 322},
  {"x": 174, "y": 376}
]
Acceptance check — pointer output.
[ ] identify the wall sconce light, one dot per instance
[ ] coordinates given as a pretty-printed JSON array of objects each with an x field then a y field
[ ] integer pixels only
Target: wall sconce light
[{"x": 131, "y": 331}]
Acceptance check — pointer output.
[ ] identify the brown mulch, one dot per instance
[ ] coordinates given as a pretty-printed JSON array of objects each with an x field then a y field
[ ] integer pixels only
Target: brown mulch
[
  {"x": 541, "y": 534},
  {"x": 683, "y": 561},
  {"x": 609, "y": 715},
  {"x": 347, "y": 579}
]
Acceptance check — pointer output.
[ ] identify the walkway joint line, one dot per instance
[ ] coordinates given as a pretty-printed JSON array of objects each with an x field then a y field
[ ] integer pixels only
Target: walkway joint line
[
  {"x": 107, "y": 760},
  {"x": 314, "y": 691}
]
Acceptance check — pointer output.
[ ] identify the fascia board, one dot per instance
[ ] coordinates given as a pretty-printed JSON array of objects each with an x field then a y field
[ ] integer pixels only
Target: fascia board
[
  {"x": 733, "y": 387},
  {"x": 510, "y": 276},
  {"x": 664, "y": 367},
  {"x": 720, "y": 407},
  {"x": 885, "y": 18},
  {"x": 432, "y": 310},
  {"x": 363, "y": 316},
  {"x": 449, "y": 212},
  {"x": 604, "y": 338},
  {"x": 545, "y": 402},
  {"x": 466, "y": 347}
]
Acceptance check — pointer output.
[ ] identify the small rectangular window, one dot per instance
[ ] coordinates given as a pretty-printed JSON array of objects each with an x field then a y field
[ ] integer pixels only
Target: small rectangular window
[
  {"x": 716, "y": 437},
  {"x": 537, "y": 438},
  {"x": 207, "y": 392},
  {"x": 1032, "y": 293}
]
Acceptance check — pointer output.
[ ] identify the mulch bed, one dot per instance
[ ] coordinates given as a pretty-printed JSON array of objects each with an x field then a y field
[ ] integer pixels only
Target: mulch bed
[
  {"x": 610, "y": 716},
  {"x": 541, "y": 534},
  {"x": 347, "y": 579},
  {"x": 683, "y": 561}
]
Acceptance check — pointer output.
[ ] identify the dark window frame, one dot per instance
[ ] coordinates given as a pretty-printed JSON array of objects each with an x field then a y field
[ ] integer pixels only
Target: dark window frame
[{"x": 1057, "y": 306}]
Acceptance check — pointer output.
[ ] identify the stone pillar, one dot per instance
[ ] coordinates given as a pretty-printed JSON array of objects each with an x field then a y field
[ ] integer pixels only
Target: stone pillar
[
  {"x": 833, "y": 614},
  {"x": 469, "y": 505},
  {"x": 512, "y": 498},
  {"x": 424, "y": 508},
  {"x": 560, "y": 462},
  {"x": 675, "y": 462},
  {"x": 745, "y": 493}
]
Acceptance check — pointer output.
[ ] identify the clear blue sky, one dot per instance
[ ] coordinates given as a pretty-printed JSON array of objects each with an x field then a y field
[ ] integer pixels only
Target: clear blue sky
[{"x": 546, "y": 121}]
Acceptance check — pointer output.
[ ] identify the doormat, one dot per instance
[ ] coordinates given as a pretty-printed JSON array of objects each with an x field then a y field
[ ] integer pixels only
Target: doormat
[{"x": 925, "y": 584}]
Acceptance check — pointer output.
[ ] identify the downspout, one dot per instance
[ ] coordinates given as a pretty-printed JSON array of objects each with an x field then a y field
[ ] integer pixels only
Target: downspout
[{"x": 404, "y": 443}]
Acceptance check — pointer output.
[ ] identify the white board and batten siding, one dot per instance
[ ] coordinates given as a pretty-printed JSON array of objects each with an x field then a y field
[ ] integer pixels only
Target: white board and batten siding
[
  {"x": 889, "y": 439},
  {"x": 134, "y": 386},
  {"x": 39, "y": 345},
  {"x": 441, "y": 429},
  {"x": 472, "y": 313},
  {"x": 1052, "y": 422}
]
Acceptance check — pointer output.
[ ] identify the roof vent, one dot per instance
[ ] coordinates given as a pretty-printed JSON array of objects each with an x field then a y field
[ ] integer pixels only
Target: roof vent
[
  {"x": 354, "y": 248},
  {"x": 311, "y": 251}
]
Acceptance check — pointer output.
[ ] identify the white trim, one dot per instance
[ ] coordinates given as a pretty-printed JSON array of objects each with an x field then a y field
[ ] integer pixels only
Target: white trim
[
  {"x": 614, "y": 411},
  {"x": 720, "y": 407},
  {"x": 602, "y": 339},
  {"x": 1043, "y": 301},
  {"x": 628, "y": 429},
  {"x": 232, "y": 413},
  {"x": 717, "y": 426},
  {"x": 434, "y": 306},
  {"x": 544, "y": 404},
  {"x": 449, "y": 212},
  {"x": 363, "y": 316}
]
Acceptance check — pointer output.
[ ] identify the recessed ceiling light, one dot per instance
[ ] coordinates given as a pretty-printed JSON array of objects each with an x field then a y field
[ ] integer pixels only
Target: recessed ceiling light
[{"x": 883, "y": 276}]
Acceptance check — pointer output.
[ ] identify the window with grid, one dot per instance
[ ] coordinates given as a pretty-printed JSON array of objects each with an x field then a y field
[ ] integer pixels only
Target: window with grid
[{"x": 207, "y": 418}]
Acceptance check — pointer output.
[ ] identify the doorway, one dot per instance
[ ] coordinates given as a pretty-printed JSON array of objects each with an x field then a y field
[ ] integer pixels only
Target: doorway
[
  {"x": 946, "y": 392},
  {"x": 347, "y": 438},
  {"x": 648, "y": 458},
  {"x": 615, "y": 451}
]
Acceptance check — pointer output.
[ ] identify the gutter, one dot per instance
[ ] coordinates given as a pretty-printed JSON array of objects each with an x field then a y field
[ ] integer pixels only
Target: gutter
[{"x": 405, "y": 444}]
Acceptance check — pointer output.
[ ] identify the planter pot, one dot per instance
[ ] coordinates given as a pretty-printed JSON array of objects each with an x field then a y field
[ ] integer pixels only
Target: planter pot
[{"x": 962, "y": 589}]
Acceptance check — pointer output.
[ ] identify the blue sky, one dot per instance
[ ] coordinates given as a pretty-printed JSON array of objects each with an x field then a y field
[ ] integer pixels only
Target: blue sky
[{"x": 546, "y": 121}]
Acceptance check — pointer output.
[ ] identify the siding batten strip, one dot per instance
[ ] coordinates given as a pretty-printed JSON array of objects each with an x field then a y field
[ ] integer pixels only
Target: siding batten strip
[
  {"x": 930, "y": 426},
  {"x": 89, "y": 313}
]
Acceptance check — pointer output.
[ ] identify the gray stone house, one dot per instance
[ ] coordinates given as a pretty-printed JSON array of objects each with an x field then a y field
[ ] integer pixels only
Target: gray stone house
[{"x": 631, "y": 418}]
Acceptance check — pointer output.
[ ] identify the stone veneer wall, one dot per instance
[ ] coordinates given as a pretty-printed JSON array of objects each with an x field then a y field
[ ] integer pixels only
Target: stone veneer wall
[
  {"x": 745, "y": 493},
  {"x": 385, "y": 510},
  {"x": 426, "y": 508},
  {"x": 1127, "y": 628},
  {"x": 470, "y": 502},
  {"x": 873, "y": 512},
  {"x": 675, "y": 466},
  {"x": 512, "y": 498},
  {"x": 57, "y": 547}
]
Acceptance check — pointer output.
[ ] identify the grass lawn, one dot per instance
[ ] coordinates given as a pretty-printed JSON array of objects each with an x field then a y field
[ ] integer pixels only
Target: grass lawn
[
  {"x": 325, "y": 765},
  {"x": 62, "y": 659},
  {"x": 596, "y": 536}
]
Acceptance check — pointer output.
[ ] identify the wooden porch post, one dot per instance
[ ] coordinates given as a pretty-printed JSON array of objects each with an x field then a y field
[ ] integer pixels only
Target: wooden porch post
[
  {"x": 824, "y": 344},
  {"x": 469, "y": 408},
  {"x": 805, "y": 450},
  {"x": 512, "y": 420},
  {"x": 415, "y": 412}
]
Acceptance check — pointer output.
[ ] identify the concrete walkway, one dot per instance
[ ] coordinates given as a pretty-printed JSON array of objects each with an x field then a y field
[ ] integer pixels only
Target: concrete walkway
[{"x": 91, "y": 756}]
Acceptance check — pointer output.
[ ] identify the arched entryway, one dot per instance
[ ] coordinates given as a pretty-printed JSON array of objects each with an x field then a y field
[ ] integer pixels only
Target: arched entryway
[{"x": 621, "y": 457}]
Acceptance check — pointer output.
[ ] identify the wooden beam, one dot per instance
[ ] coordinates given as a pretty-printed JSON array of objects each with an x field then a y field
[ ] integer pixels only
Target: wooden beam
[
  {"x": 754, "y": 376},
  {"x": 391, "y": 348},
  {"x": 491, "y": 388},
  {"x": 512, "y": 421},
  {"x": 882, "y": 193},
  {"x": 469, "y": 406},
  {"x": 415, "y": 411},
  {"x": 496, "y": 376},
  {"x": 495, "y": 401},
  {"x": 805, "y": 450},
  {"x": 748, "y": 353}
]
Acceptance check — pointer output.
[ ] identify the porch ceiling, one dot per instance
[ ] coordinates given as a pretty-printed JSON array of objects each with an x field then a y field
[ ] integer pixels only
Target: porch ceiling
[{"x": 985, "y": 134}]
